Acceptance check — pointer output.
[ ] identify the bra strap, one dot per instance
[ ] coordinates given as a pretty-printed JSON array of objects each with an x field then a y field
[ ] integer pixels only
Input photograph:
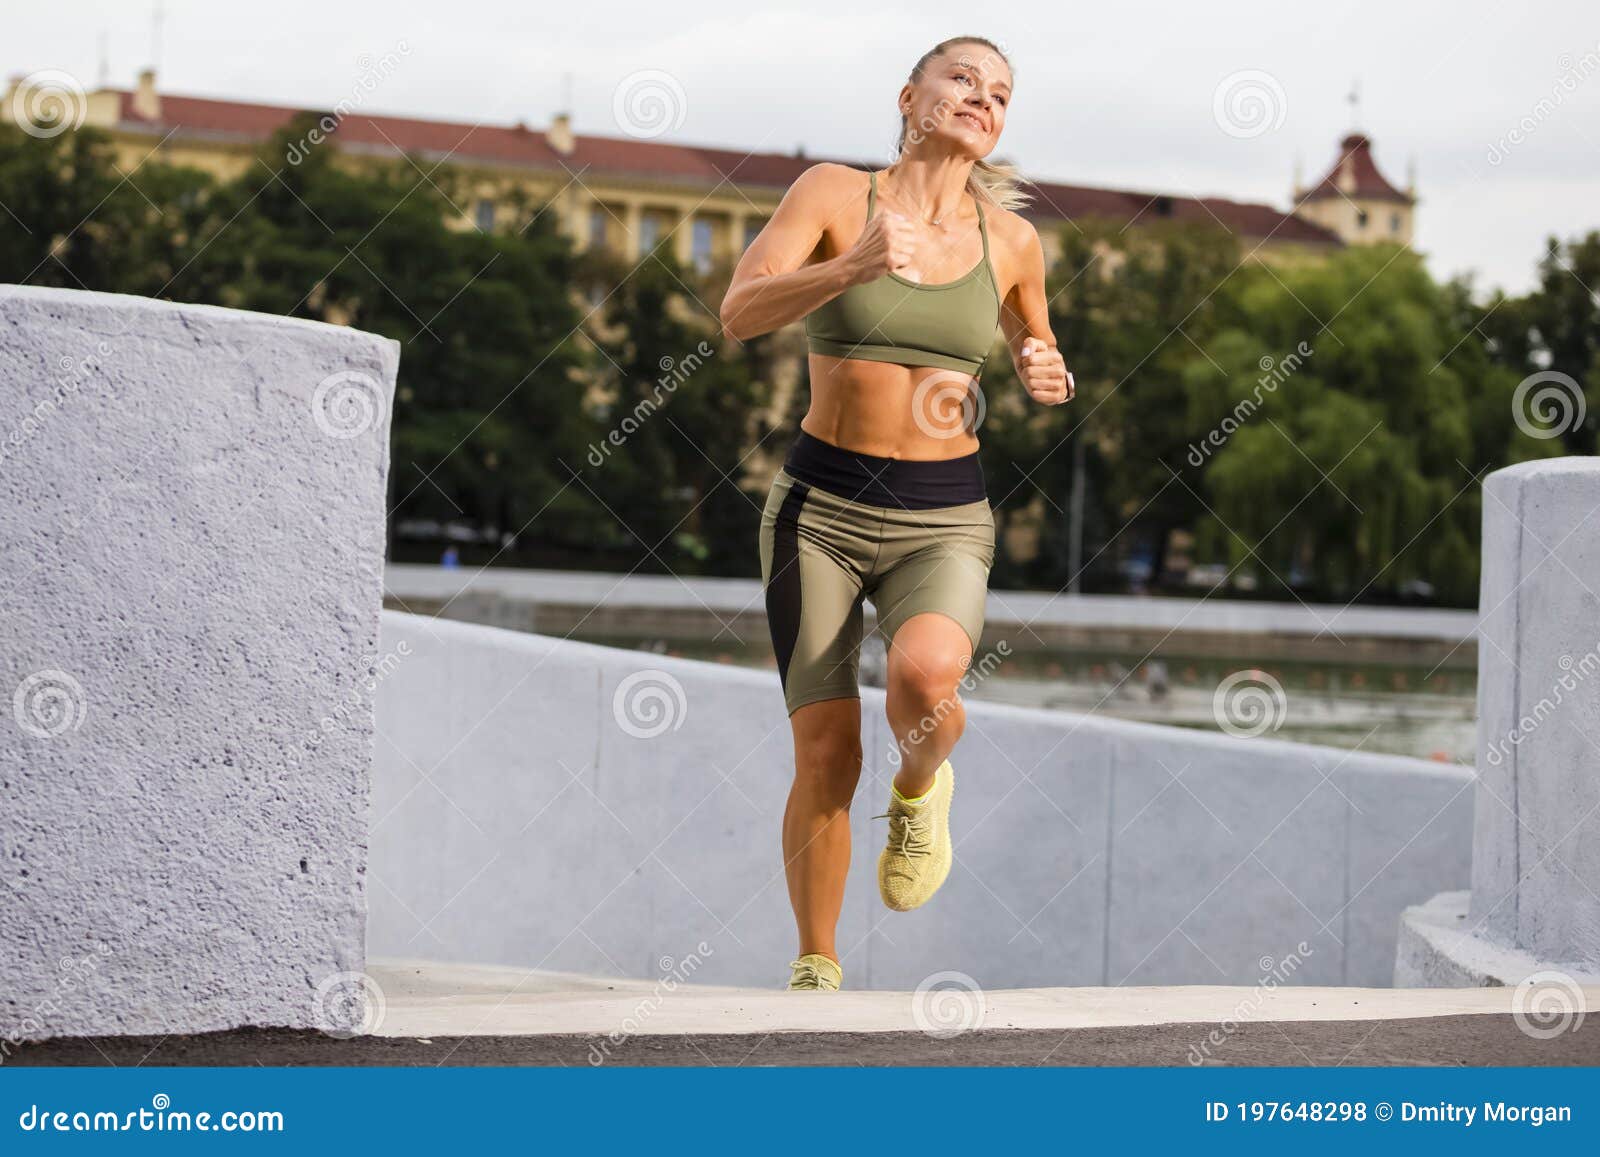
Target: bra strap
[
  {"x": 983, "y": 230},
  {"x": 872, "y": 193}
]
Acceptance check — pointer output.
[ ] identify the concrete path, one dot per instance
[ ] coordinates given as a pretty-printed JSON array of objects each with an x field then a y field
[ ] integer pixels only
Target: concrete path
[
  {"x": 446, "y": 1015},
  {"x": 452, "y": 1000}
]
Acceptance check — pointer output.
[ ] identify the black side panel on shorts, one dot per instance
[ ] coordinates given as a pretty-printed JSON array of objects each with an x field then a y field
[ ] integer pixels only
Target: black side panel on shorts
[{"x": 783, "y": 588}]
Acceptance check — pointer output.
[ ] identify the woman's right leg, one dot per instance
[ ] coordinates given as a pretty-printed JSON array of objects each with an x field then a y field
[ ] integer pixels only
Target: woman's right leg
[
  {"x": 816, "y": 823},
  {"x": 814, "y": 546}
]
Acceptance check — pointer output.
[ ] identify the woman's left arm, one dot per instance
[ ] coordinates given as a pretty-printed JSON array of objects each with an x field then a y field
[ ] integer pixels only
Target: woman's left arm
[{"x": 1025, "y": 320}]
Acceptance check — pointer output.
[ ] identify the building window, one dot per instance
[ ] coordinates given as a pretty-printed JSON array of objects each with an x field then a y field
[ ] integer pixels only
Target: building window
[
  {"x": 1394, "y": 223},
  {"x": 597, "y": 227},
  {"x": 752, "y": 230},
  {"x": 484, "y": 214},
  {"x": 649, "y": 234},
  {"x": 1361, "y": 218},
  {"x": 700, "y": 245}
]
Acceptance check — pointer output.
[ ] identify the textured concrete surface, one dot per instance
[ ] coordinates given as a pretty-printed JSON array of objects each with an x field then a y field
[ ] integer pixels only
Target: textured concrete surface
[
  {"x": 558, "y": 805},
  {"x": 1536, "y": 867},
  {"x": 1439, "y": 948},
  {"x": 192, "y": 504},
  {"x": 452, "y": 1015},
  {"x": 1535, "y": 895}
]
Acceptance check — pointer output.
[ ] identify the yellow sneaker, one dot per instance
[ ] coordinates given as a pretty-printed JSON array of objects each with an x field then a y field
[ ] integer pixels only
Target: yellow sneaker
[
  {"x": 918, "y": 857},
  {"x": 814, "y": 972}
]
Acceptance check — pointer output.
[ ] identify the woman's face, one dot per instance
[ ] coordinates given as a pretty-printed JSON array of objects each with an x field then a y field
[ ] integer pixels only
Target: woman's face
[{"x": 960, "y": 100}]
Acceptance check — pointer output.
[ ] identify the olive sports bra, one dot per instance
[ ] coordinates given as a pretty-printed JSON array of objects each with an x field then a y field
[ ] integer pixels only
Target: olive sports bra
[{"x": 949, "y": 325}]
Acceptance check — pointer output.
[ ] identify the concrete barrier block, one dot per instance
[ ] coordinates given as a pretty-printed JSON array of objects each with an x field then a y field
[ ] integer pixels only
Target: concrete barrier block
[
  {"x": 193, "y": 505},
  {"x": 1536, "y": 872},
  {"x": 1500, "y": 599}
]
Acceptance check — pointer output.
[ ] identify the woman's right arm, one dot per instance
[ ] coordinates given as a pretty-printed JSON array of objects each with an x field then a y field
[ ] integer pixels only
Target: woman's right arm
[{"x": 774, "y": 286}]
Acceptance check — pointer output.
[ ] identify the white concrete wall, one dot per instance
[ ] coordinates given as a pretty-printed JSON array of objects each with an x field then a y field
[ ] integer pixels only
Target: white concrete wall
[
  {"x": 525, "y": 813},
  {"x": 191, "y": 548},
  {"x": 1536, "y": 849}
]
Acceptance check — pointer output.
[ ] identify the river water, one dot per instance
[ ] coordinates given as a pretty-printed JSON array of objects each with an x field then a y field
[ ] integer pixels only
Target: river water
[{"x": 1420, "y": 712}]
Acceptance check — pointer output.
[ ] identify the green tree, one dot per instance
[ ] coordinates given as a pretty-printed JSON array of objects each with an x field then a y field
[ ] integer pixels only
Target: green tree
[
  {"x": 1346, "y": 425},
  {"x": 1555, "y": 328}
]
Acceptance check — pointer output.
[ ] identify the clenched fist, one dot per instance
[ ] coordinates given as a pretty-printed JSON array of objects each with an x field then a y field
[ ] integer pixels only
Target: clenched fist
[
  {"x": 886, "y": 245},
  {"x": 1044, "y": 373}
]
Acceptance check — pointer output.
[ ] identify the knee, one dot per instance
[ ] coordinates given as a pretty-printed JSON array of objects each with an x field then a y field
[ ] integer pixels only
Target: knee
[
  {"x": 831, "y": 763},
  {"x": 930, "y": 686}
]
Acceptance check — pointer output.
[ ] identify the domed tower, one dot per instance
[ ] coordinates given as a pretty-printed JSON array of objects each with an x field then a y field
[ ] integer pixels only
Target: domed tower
[{"x": 1356, "y": 201}]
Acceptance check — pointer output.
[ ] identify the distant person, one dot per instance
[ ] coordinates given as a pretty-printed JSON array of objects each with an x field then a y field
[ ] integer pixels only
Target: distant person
[
  {"x": 1157, "y": 680},
  {"x": 451, "y": 558},
  {"x": 902, "y": 277}
]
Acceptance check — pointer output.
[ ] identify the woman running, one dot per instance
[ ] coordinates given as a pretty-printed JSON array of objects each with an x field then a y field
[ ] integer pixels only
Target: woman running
[{"x": 902, "y": 277}]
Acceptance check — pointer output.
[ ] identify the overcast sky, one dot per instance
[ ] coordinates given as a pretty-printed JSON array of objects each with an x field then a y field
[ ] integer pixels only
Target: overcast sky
[{"x": 1118, "y": 94}]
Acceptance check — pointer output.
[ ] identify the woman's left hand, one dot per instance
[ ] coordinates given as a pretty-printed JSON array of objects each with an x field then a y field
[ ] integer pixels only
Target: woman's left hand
[{"x": 1044, "y": 373}]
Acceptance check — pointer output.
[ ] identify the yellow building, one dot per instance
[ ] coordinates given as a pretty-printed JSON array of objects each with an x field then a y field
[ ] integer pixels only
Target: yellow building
[
  {"x": 629, "y": 194},
  {"x": 1355, "y": 201}
]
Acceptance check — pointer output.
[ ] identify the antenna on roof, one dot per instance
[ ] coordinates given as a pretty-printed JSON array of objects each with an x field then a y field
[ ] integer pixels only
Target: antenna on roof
[{"x": 1355, "y": 103}]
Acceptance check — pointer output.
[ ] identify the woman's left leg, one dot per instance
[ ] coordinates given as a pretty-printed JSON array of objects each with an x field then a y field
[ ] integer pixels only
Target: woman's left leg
[
  {"x": 928, "y": 657},
  {"x": 930, "y": 599}
]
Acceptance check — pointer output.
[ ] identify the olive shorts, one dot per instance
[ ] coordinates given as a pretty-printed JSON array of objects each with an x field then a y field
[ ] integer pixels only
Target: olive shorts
[{"x": 823, "y": 554}]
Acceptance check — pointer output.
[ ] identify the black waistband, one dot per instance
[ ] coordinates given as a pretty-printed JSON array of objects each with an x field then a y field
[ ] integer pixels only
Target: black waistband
[{"x": 896, "y": 483}]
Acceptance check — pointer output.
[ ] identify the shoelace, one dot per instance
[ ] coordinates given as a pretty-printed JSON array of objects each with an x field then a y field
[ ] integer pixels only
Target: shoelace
[
  {"x": 911, "y": 831},
  {"x": 808, "y": 975}
]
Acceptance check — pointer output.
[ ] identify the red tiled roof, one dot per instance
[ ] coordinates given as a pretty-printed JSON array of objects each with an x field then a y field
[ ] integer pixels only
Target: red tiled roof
[
  {"x": 1053, "y": 202},
  {"x": 687, "y": 164},
  {"x": 1355, "y": 164}
]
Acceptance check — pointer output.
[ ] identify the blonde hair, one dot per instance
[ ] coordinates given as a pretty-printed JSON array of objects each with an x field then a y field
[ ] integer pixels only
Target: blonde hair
[{"x": 990, "y": 181}]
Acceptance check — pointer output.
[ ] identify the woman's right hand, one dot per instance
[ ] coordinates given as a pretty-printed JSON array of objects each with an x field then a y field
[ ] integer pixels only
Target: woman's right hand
[{"x": 886, "y": 245}]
